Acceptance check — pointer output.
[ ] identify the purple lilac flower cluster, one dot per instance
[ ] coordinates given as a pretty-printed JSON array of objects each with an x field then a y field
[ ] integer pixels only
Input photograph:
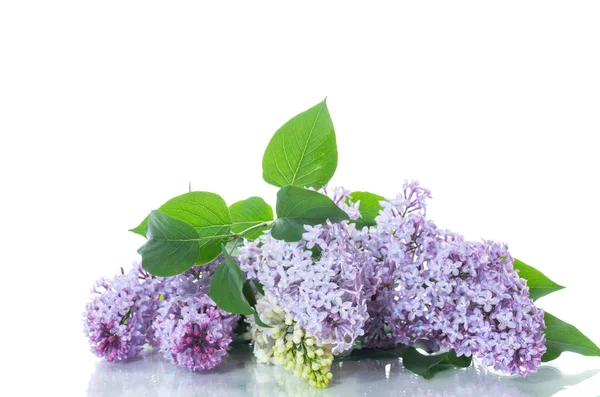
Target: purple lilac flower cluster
[
  {"x": 431, "y": 284},
  {"x": 194, "y": 332},
  {"x": 174, "y": 314},
  {"x": 118, "y": 318},
  {"x": 317, "y": 280},
  {"x": 402, "y": 281}
]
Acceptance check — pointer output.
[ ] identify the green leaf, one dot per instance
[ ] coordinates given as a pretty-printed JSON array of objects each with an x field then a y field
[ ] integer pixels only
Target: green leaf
[
  {"x": 241, "y": 328},
  {"x": 141, "y": 228},
  {"x": 260, "y": 322},
  {"x": 249, "y": 293},
  {"x": 369, "y": 207},
  {"x": 207, "y": 213},
  {"x": 462, "y": 361},
  {"x": 259, "y": 287},
  {"x": 303, "y": 152},
  {"x": 428, "y": 365},
  {"x": 232, "y": 246},
  {"x": 248, "y": 213},
  {"x": 372, "y": 353},
  {"x": 226, "y": 287},
  {"x": 297, "y": 207},
  {"x": 172, "y": 246},
  {"x": 230, "y": 293},
  {"x": 423, "y": 365},
  {"x": 562, "y": 337},
  {"x": 316, "y": 253},
  {"x": 539, "y": 285}
]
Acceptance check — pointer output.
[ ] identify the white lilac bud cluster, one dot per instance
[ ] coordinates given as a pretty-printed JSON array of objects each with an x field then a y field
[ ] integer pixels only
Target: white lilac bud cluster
[{"x": 286, "y": 343}]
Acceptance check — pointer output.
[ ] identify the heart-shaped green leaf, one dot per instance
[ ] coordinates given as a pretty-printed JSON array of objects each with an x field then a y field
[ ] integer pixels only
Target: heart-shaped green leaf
[
  {"x": 226, "y": 287},
  {"x": 564, "y": 337},
  {"x": 539, "y": 285},
  {"x": 206, "y": 212},
  {"x": 230, "y": 293},
  {"x": 297, "y": 207},
  {"x": 248, "y": 213},
  {"x": 172, "y": 246},
  {"x": 303, "y": 152}
]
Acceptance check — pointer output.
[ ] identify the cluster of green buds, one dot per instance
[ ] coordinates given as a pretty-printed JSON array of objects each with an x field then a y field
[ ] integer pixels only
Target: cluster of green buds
[{"x": 286, "y": 343}]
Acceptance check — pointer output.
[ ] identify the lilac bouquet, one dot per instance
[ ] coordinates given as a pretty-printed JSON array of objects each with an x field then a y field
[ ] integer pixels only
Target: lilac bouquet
[{"x": 329, "y": 278}]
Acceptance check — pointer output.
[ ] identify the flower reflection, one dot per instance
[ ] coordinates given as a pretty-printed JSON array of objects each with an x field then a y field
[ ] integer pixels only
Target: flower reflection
[{"x": 239, "y": 375}]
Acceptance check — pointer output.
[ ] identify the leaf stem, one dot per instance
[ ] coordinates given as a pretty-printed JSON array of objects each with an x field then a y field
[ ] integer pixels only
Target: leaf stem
[
  {"x": 237, "y": 235},
  {"x": 257, "y": 226}
]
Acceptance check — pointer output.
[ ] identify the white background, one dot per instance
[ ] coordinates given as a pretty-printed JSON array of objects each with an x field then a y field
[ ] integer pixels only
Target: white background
[{"x": 108, "y": 109}]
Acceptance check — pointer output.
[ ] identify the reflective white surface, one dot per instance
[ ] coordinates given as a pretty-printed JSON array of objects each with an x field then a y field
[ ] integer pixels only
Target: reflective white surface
[{"x": 239, "y": 375}]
